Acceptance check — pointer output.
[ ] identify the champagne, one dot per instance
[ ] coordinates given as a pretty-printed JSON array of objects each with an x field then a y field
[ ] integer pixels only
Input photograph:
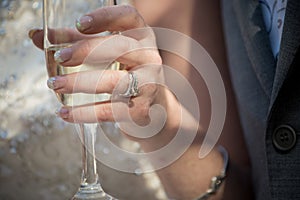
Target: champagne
[
  {"x": 60, "y": 14},
  {"x": 56, "y": 69}
]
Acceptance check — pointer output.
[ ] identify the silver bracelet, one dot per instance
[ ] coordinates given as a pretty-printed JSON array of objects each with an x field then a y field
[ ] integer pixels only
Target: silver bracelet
[{"x": 216, "y": 181}]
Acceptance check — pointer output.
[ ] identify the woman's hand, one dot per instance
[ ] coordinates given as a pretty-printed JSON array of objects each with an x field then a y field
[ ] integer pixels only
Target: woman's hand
[{"x": 135, "y": 48}]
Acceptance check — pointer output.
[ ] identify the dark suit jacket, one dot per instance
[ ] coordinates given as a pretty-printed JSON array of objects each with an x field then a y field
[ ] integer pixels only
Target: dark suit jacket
[{"x": 268, "y": 95}]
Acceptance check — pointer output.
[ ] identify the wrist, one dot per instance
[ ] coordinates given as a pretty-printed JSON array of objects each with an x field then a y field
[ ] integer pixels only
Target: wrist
[{"x": 216, "y": 181}]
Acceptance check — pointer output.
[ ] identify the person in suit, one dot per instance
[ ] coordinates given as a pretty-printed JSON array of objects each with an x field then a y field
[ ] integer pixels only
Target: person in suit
[
  {"x": 267, "y": 93},
  {"x": 261, "y": 127}
]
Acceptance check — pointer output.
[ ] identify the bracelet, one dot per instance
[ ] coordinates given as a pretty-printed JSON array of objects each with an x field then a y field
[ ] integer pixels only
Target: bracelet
[{"x": 216, "y": 181}]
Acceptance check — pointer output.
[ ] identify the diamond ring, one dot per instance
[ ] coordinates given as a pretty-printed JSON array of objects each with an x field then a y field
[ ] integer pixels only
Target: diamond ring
[{"x": 132, "y": 90}]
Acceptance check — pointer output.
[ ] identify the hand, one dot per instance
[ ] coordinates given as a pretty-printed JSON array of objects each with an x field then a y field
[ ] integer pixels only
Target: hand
[{"x": 134, "y": 48}]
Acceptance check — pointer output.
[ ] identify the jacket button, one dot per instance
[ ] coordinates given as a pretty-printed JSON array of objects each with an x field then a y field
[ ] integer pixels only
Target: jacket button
[{"x": 284, "y": 138}]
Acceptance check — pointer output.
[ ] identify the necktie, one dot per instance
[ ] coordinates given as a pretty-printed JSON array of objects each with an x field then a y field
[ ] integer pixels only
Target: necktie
[{"x": 273, "y": 14}]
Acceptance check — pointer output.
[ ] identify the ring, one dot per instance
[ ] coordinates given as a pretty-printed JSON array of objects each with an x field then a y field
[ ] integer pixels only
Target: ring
[{"x": 132, "y": 90}]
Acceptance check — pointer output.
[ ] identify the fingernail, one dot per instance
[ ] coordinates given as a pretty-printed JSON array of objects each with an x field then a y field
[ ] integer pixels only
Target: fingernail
[
  {"x": 84, "y": 23},
  {"x": 32, "y": 32},
  {"x": 62, "y": 112},
  {"x": 63, "y": 55},
  {"x": 56, "y": 82},
  {"x": 51, "y": 82}
]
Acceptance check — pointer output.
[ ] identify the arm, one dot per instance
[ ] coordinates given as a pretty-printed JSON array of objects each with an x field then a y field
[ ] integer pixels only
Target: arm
[
  {"x": 201, "y": 20},
  {"x": 188, "y": 176}
]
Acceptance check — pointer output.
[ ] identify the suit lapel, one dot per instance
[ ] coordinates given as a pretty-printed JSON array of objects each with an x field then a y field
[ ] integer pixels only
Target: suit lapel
[
  {"x": 289, "y": 45},
  {"x": 256, "y": 41}
]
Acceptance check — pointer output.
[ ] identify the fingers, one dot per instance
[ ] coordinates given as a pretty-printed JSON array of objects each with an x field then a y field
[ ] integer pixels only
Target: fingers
[
  {"x": 115, "y": 82},
  {"x": 111, "y": 18},
  {"x": 94, "y": 50},
  {"x": 106, "y": 81},
  {"x": 138, "y": 117},
  {"x": 91, "y": 82},
  {"x": 87, "y": 113},
  {"x": 137, "y": 110},
  {"x": 132, "y": 49},
  {"x": 125, "y": 50},
  {"x": 57, "y": 36}
]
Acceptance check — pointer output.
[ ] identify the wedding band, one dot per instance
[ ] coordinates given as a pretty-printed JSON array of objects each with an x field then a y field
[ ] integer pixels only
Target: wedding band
[{"x": 132, "y": 90}]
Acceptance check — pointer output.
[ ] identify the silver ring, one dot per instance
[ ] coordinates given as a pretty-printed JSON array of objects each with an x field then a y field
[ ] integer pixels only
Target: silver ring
[{"x": 132, "y": 90}]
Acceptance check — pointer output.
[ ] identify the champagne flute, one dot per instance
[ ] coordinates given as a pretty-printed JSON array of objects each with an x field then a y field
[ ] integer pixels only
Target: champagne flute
[{"x": 60, "y": 14}]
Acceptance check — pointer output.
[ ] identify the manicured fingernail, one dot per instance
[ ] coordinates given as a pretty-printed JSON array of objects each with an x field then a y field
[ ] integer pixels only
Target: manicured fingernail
[
  {"x": 51, "y": 82},
  {"x": 32, "y": 32},
  {"x": 63, "y": 55},
  {"x": 84, "y": 23},
  {"x": 56, "y": 82},
  {"x": 62, "y": 112}
]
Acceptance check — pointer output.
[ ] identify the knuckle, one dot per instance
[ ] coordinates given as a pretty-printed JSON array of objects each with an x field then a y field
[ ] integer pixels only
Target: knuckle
[
  {"x": 134, "y": 14},
  {"x": 128, "y": 44},
  {"x": 78, "y": 112},
  {"x": 105, "y": 13},
  {"x": 113, "y": 79},
  {"x": 103, "y": 113},
  {"x": 144, "y": 109},
  {"x": 78, "y": 80},
  {"x": 130, "y": 9},
  {"x": 156, "y": 57},
  {"x": 124, "y": 45},
  {"x": 152, "y": 90},
  {"x": 85, "y": 47}
]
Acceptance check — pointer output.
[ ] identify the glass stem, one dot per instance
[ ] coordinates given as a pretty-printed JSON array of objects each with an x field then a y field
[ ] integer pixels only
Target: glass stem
[{"x": 89, "y": 168}]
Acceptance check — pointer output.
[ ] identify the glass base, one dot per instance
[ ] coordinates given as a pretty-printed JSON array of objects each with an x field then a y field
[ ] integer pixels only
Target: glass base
[{"x": 92, "y": 192}]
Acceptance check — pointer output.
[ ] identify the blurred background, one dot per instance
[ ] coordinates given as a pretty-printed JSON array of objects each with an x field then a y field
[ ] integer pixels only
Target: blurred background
[{"x": 40, "y": 155}]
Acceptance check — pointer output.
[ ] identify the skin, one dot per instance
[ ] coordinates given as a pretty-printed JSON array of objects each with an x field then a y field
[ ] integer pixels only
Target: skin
[{"x": 188, "y": 176}]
